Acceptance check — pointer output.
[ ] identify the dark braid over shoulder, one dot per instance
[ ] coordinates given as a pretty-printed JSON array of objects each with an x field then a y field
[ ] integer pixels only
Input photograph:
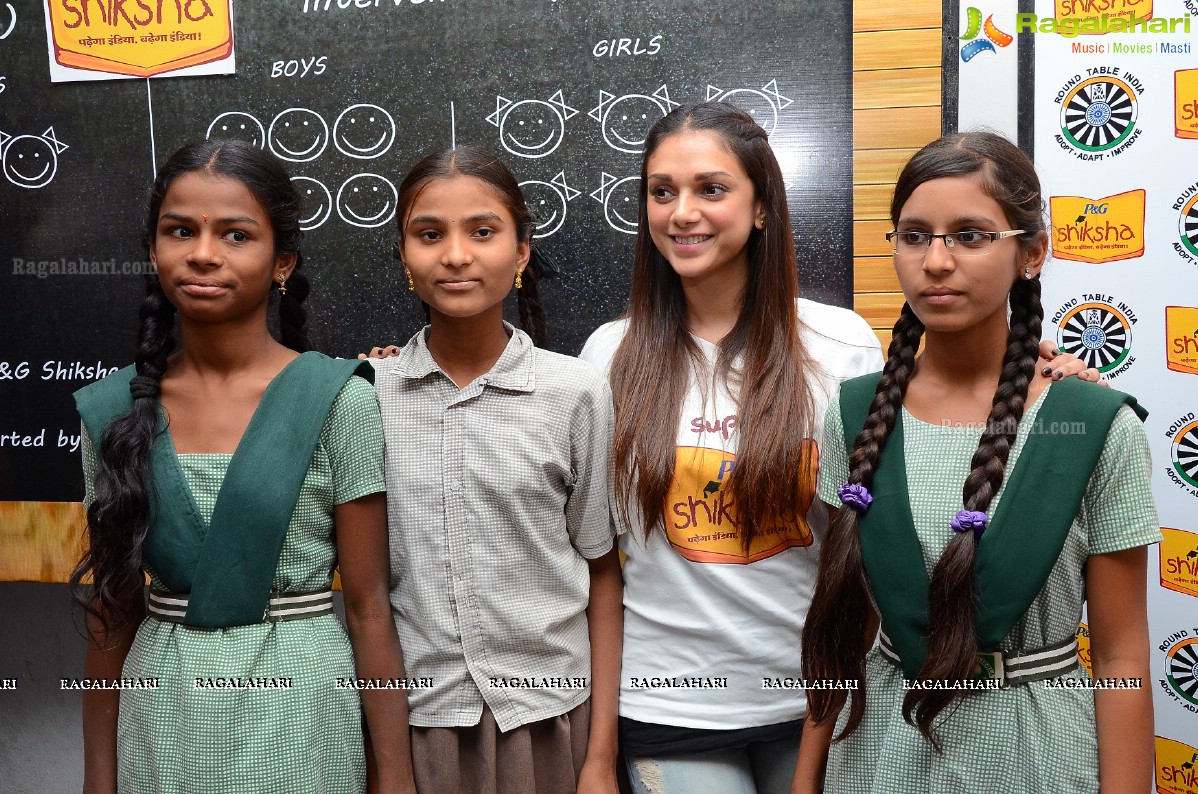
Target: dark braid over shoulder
[
  {"x": 532, "y": 314},
  {"x": 833, "y": 637},
  {"x": 293, "y": 319},
  {"x": 952, "y": 643},
  {"x": 118, "y": 517}
]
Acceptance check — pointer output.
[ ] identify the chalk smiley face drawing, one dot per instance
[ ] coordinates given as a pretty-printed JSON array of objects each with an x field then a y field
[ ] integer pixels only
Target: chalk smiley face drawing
[
  {"x": 238, "y": 126},
  {"x": 30, "y": 161},
  {"x": 316, "y": 202},
  {"x": 367, "y": 201},
  {"x": 298, "y": 135},
  {"x": 531, "y": 128},
  {"x": 364, "y": 131},
  {"x": 619, "y": 198},
  {"x": 626, "y": 120},
  {"x": 13, "y": 14},
  {"x": 547, "y": 201},
  {"x": 762, "y": 103}
]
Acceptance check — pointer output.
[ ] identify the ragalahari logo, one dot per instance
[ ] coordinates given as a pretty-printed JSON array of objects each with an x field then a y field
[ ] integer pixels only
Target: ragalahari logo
[
  {"x": 1179, "y": 561},
  {"x": 1176, "y": 767},
  {"x": 975, "y": 27},
  {"x": 1181, "y": 338},
  {"x": 1098, "y": 230}
]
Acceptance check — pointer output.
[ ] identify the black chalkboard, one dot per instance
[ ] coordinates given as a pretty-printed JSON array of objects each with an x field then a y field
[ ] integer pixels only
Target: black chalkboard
[{"x": 353, "y": 92}]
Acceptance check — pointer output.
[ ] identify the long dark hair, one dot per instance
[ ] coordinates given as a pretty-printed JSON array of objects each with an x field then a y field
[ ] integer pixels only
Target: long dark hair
[
  {"x": 651, "y": 368},
  {"x": 833, "y": 638},
  {"x": 118, "y": 517},
  {"x": 484, "y": 166}
]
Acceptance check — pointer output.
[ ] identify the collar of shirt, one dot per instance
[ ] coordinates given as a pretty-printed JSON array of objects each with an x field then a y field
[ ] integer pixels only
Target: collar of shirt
[{"x": 514, "y": 370}]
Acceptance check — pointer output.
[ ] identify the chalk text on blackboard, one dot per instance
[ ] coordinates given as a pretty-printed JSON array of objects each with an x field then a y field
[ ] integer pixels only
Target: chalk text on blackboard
[
  {"x": 113, "y": 12},
  {"x": 326, "y": 5},
  {"x": 611, "y": 48},
  {"x": 300, "y": 68}
]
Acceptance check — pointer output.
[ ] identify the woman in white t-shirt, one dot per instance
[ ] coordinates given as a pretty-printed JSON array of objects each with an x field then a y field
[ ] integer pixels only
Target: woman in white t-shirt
[{"x": 718, "y": 367}]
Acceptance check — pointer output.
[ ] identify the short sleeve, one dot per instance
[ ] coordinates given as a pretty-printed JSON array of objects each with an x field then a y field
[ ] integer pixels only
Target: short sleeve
[
  {"x": 833, "y": 456},
  {"x": 353, "y": 439},
  {"x": 1118, "y": 510},
  {"x": 588, "y": 510},
  {"x": 89, "y": 466}
]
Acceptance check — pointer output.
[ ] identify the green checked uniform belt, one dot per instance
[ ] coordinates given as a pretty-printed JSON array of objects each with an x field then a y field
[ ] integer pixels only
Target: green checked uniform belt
[
  {"x": 1037, "y": 665},
  {"x": 172, "y": 607}
]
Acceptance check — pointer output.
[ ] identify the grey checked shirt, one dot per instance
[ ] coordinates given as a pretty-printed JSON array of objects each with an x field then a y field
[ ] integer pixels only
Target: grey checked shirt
[{"x": 497, "y": 495}]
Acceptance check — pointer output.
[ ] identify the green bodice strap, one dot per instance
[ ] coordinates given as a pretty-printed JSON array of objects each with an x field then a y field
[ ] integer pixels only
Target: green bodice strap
[
  {"x": 228, "y": 566},
  {"x": 1021, "y": 542}
]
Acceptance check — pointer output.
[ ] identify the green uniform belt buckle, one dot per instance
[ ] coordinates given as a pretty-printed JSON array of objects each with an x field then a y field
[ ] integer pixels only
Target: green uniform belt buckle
[{"x": 990, "y": 666}]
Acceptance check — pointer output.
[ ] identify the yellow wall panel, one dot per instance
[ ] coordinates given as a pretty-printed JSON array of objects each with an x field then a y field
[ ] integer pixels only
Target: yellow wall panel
[
  {"x": 874, "y": 274},
  {"x": 888, "y": 88},
  {"x": 880, "y": 309},
  {"x": 878, "y": 15},
  {"x": 897, "y": 128},
  {"x": 872, "y": 202},
  {"x": 879, "y": 166},
  {"x": 869, "y": 238},
  {"x": 896, "y": 49}
]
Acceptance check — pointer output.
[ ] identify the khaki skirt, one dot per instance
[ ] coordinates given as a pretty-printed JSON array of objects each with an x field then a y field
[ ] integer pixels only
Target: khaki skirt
[{"x": 543, "y": 757}]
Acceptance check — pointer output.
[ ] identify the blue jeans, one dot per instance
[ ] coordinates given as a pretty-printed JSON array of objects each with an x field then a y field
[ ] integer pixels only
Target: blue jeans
[{"x": 759, "y": 768}]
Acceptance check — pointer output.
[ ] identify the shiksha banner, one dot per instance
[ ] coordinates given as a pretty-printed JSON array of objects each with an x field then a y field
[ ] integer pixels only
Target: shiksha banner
[
  {"x": 1116, "y": 145},
  {"x": 111, "y": 39}
]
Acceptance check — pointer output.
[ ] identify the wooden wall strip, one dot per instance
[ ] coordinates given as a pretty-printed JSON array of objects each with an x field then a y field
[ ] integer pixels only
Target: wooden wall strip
[
  {"x": 879, "y": 15},
  {"x": 896, "y": 49},
  {"x": 889, "y": 88},
  {"x": 879, "y": 166},
  {"x": 874, "y": 274},
  {"x": 895, "y": 128}
]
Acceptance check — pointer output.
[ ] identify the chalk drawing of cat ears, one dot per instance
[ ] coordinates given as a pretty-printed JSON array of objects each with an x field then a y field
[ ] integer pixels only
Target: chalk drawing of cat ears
[
  {"x": 619, "y": 198},
  {"x": 13, "y": 13},
  {"x": 367, "y": 200},
  {"x": 364, "y": 131},
  {"x": 547, "y": 202},
  {"x": 531, "y": 128},
  {"x": 30, "y": 161},
  {"x": 238, "y": 126},
  {"x": 316, "y": 201},
  {"x": 626, "y": 119},
  {"x": 298, "y": 135},
  {"x": 762, "y": 103}
]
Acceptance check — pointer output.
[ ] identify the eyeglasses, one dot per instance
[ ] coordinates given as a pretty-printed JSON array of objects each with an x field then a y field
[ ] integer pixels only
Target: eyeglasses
[{"x": 969, "y": 243}]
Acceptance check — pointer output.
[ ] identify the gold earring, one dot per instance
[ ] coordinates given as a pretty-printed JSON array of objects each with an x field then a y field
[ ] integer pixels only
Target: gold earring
[
  {"x": 519, "y": 279},
  {"x": 411, "y": 284},
  {"x": 282, "y": 284}
]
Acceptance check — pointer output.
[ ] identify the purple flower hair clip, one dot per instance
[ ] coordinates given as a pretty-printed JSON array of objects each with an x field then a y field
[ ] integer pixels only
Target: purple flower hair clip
[
  {"x": 970, "y": 520},
  {"x": 855, "y": 496}
]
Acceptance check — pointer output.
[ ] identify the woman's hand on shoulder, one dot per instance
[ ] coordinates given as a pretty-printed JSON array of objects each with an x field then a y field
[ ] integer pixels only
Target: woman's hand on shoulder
[
  {"x": 1057, "y": 364},
  {"x": 380, "y": 352}
]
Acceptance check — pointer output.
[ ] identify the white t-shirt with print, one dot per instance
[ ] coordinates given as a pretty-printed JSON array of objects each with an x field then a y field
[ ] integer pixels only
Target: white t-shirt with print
[{"x": 704, "y": 625}]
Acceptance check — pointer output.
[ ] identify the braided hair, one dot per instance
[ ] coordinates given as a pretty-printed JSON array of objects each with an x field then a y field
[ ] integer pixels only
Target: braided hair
[
  {"x": 119, "y": 515},
  {"x": 485, "y": 167},
  {"x": 833, "y": 637}
]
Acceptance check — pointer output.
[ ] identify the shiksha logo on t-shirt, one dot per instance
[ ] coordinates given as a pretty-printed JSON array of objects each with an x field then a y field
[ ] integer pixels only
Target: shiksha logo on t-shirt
[
  {"x": 1176, "y": 767},
  {"x": 1097, "y": 329},
  {"x": 700, "y": 518},
  {"x": 1187, "y": 206},
  {"x": 1183, "y": 468},
  {"x": 1179, "y": 561},
  {"x": 1098, "y": 112}
]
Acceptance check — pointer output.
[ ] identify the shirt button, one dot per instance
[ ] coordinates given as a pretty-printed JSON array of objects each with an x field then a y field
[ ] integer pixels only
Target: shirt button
[{"x": 455, "y": 485}]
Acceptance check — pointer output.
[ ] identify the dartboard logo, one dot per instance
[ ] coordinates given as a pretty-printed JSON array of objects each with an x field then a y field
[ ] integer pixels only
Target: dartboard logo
[
  {"x": 1098, "y": 115},
  {"x": 1099, "y": 333},
  {"x": 1181, "y": 669},
  {"x": 1184, "y": 454},
  {"x": 1188, "y": 225}
]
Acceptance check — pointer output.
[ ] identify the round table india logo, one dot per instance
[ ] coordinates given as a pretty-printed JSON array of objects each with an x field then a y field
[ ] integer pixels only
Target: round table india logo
[
  {"x": 1184, "y": 452},
  {"x": 1188, "y": 225},
  {"x": 1097, "y": 333},
  {"x": 1181, "y": 669},
  {"x": 1099, "y": 113}
]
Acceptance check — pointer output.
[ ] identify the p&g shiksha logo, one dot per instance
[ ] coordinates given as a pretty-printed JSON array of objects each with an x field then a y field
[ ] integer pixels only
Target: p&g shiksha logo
[
  {"x": 1099, "y": 112},
  {"x": 1097, "y": 330},
  {"x": 974, "y": 27}
]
